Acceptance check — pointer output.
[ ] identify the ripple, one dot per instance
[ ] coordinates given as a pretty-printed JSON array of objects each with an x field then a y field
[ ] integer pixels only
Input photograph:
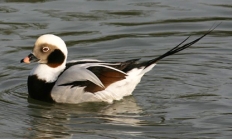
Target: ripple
[
  {"x": 27, "y": 1},
  {"x": 5, "y": 9},
  {"x": 150, "y": 4},
  {"x": 220, "y": 5},
  {"x": 170, "y": 21},
  {"x": 15, "y": 95}
]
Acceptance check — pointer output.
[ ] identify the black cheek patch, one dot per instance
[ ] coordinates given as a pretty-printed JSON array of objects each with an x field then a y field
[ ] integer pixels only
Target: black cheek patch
[{"x": 56, "y": 58}]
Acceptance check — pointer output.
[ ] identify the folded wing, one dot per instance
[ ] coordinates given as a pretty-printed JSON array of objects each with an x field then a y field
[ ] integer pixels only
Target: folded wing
[{"x": 80, "y": 81}]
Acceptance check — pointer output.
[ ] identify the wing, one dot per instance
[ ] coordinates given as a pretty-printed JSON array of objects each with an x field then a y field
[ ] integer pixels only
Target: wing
[
  {"x": 81, "y": 80},
  {"x": 122, "y": 66}
]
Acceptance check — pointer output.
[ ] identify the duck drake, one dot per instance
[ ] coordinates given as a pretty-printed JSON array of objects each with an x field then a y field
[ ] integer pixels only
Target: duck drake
[{"x": 56, "y": 80}]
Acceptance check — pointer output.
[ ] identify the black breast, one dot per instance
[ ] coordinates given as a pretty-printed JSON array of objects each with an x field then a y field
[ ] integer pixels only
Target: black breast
[{"x": 39, "y": 89}]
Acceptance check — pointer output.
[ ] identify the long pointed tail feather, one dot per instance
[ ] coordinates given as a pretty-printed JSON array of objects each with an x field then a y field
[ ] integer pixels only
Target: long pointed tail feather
[{"x": 179, "y": 47}]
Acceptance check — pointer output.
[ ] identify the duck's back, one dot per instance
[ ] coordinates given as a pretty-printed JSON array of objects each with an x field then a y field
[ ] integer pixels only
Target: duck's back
[{"x": 88, "y": 81}]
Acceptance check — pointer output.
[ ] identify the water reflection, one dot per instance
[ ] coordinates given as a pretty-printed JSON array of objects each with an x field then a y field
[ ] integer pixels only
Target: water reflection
[
  {"x": 56, "y": 120},
  {"x": 125, "y": 112}
]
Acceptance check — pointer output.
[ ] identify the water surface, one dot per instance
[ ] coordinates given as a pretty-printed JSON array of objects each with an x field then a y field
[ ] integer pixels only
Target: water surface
[{"x": 185, "y": 96}]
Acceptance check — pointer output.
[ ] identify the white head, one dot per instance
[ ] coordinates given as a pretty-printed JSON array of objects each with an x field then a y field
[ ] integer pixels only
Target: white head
[
  {"x": 50, "y": 50},
  {"x": 51, "y": 53}
]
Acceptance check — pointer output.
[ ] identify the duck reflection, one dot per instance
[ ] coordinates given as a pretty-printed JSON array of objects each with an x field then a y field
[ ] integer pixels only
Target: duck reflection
[
  {"x": 60, "y": 120},
  {"x": 123, "y": 112}
]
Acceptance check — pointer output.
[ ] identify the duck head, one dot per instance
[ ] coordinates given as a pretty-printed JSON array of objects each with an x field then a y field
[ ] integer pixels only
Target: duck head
[{"x": 48, "y": 49}]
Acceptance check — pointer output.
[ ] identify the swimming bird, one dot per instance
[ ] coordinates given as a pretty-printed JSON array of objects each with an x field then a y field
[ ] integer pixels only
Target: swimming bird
[{"x": 56, "y": 80}]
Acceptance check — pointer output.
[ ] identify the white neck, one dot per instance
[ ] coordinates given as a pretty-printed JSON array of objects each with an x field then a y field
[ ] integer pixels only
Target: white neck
[{"x": 49, "y": 74}]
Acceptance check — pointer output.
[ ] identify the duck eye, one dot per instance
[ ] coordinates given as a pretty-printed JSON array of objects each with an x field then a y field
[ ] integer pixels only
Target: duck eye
[{"x": 45, "y": 49}]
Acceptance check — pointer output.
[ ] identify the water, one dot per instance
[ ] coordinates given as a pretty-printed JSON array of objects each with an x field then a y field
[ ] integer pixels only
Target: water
[{"x": 185, "y": 96}]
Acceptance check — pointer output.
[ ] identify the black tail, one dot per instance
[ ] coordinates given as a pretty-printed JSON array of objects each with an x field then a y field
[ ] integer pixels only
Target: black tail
[{"x": 179, "y": 48}]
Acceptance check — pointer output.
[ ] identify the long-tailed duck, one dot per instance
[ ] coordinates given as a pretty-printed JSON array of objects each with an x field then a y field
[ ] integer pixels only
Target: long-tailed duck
[{"x": 56, "y": 80}]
